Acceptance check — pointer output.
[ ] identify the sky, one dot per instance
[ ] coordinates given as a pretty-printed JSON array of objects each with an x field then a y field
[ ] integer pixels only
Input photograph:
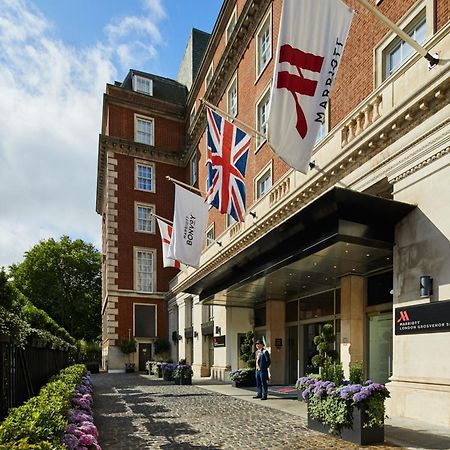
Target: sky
[{"x": 56, "y": 57}]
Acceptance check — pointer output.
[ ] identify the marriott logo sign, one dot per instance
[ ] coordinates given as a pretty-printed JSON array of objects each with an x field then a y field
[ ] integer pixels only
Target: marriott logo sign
[{"x": 404, "y": 317}]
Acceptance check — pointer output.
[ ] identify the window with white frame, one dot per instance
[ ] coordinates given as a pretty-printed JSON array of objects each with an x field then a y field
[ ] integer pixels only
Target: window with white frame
[
  {"x": 264, "y": 183},
  {"x": 143, "y": 130},
  {"x": 232, "y": 98},
  {"x": 393, "y": 52},
  {"x": 264, "y": 44},
  {"x": 144, "y": 268},
  {"x": 145, "y": 219},
  {"x": 230, "y": 220},
  {"x": 144, "y": 174},
  {"x": 194, "y": 169},
  {"x": 231, "y": 25},
  {"x": 142, "y": 85},
  {"x": 145, "y": 317},
  {"x": 209, "y": 76},
  {"x": 262, "y": 116},
  {"x": 210, "y": 235}
]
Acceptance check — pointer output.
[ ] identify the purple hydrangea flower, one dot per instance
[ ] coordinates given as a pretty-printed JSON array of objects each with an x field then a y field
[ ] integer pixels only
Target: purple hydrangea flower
[
  {"x": 70, "y": 441},
  {"x": 87, "y": 440}
]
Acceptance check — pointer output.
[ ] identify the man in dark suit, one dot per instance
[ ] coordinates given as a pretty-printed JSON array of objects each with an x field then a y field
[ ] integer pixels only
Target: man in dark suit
[{"x": 262, "y": 372}]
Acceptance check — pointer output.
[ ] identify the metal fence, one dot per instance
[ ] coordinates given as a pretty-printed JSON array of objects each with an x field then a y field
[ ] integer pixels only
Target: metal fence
[{"x": 25, "y": 371}]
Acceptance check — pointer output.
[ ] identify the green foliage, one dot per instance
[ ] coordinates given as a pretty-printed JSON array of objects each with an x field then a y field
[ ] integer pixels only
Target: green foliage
[
  {"x": 44, "y": 417},
  {"x": 247, "y": 352},
  {"x": 332, "y": 372},
  {"x": 356, "y": 373},
  {"x": 13, "y": 326},
  {"x": 89, "y": 351},
  {"x": 375, "y": 410},
  {"x": 128, "y": 346},
  {"x": 330, "y": 410},
  {"x": 24, "y": 445},
  {"x": 324, "y": 342},
  {"x": 162, "y": 347},
  {"x": 64, "y": 279}
]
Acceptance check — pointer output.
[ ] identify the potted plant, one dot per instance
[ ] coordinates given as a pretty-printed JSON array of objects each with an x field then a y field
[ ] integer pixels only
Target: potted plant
[
  {"x": 183, "y": 374},
  {"x": 128, "y": 346},
  {"x": 167, "y": 371},
  {"x": 243, "y": 378},
  {"x": 354, "y": 412}
]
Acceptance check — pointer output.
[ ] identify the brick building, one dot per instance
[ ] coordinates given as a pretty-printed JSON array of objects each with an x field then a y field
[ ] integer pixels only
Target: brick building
[{"x": 347, "y": 243}]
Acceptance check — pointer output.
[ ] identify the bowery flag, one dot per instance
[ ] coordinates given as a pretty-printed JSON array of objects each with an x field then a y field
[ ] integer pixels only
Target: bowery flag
[
  {"x": 227, "y": 160},
  {"x": 166, "y": 235},
  {"x": 310, "y": 45},
  {"x": 189, "y": 227}
]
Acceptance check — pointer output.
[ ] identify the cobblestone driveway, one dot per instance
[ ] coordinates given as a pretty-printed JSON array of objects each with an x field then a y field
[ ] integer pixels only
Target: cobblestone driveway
[{"x": 136, "y": 412}]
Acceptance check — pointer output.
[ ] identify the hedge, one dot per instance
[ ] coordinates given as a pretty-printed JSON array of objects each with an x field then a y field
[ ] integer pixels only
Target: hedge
[{"x": 39, "y": 423}]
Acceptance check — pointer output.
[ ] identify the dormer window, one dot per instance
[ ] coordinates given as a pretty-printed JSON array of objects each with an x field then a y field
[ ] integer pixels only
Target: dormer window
[{"x": 142, "y": 85}]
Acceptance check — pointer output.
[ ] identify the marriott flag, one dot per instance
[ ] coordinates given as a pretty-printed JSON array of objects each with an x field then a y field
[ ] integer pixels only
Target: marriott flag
[
  {"x": 310, "y": 45},
  {"x": 189, "y": 227}
]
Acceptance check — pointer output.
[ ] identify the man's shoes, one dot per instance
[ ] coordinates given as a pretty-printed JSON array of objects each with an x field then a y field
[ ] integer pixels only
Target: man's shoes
[
  {"x": 257, "y": 396},
  {"x": 263, "y": 398}
]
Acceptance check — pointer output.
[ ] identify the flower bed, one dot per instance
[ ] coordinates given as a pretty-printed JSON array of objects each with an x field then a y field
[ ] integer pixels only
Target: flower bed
[
  {"x": 41, "y": 423},
  {"x": 334, "y": 407},
  {"x": 183, "y": 374},
  {"x": 243, "y": 378}
]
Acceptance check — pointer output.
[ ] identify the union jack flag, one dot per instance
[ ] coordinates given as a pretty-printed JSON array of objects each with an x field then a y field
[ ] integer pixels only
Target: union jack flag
[{"x": 227, "y": 160}]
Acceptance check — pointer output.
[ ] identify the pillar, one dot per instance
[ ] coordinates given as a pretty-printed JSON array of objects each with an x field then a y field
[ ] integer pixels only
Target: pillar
[
  {"x": 275, "y": 329},
  {"x": 353, "y": 303}
]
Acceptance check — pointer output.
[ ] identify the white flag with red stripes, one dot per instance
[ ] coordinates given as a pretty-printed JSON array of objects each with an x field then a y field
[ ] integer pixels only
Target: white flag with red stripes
[
  {"x": 166, "y": 235},
  {"x": 310, "y": 45}
]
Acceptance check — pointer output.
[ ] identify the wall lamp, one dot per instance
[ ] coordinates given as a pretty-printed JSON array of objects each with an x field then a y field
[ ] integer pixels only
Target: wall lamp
[
  {"x": 195, "y": 334},
  {"x": 426, "y": 286},
  {"x": 218, "y": 330}
]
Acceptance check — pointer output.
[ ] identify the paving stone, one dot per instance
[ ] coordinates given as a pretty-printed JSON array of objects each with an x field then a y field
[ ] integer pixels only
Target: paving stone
[{"x": 136, "y": 412}]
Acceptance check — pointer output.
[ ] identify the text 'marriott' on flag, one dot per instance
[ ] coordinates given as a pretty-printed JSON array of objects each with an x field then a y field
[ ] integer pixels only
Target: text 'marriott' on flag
[
  {"x": 227, "y": 160},
  {"x": 310, "y": 45},
  {"x": 166, "y": 235},
  {"x": 189, "y": 227}
]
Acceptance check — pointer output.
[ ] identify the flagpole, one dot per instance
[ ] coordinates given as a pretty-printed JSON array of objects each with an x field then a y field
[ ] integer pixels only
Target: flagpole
[
  {"x": 162, "y": 218},
  {"x": 396, "y": 29},
  {"x": 215, "y": 108},
  {"x": 173, "y": 180}
]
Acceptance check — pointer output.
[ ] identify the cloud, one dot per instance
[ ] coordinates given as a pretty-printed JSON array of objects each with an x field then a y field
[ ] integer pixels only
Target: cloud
[{"x": 51, "y": 103}]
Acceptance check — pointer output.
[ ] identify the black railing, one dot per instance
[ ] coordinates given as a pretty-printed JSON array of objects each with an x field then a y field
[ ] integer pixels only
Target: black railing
[{"x": 25, "y": 371}]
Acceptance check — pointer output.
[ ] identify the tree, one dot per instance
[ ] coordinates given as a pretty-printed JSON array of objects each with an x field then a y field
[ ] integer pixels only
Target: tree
[
  {"x": 324, "y": 342},
  {"x": 64, "y": 279}
]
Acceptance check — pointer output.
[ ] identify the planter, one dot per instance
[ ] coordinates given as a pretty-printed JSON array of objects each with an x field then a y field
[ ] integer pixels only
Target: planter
[
  {"x": 129, "y": 368},
  {"x": 93, "y": 366},
  {"x": 357, "y": 433},
  {"x": 244, "y": 383},
  {"x": 299, "y": 396},
  {"x": 159, "y": 372},
  {"x": 167, "y": 375},
  {"x": 183, "y": 381}
]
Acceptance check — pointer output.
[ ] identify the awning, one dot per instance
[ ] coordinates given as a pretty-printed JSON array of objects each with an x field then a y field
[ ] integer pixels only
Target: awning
[{"x": 338, "y": 216}]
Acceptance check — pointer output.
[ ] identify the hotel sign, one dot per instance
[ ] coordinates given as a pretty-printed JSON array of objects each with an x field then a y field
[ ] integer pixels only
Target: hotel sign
[{"x": 431, "y": 317}]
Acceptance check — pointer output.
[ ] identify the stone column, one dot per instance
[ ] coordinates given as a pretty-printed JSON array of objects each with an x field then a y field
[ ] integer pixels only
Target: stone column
[
  {"x": 275, "y": 329},
  {"x": 353, "y": 303}
]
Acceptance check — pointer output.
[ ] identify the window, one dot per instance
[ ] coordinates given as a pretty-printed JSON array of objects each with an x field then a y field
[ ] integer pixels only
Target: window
[
  {"x": 142, "y": 85},
  {"x": 144, "y": 320},
  {"x": 262, "y": 115},
  {"x": 143, "y": 130},
  {"x": 264, "y": 45},
  {"x": 194, "y": 169},
  {"x": 145, "y": 220},
  {"x": 393, "y": 52},
  {"x": 399, "y": 50},
  {"x": 230, "y": 220},
  {"x": 231, "y": 25},
  {"x": 144, "y": 177},
  {"x": 209, "y": 76},
  {"x": 232, "y": 98},
  {"x": 264, "y": 183},
  {"x": 144, "y": 271},
  {"x": 210, "y": 235}
]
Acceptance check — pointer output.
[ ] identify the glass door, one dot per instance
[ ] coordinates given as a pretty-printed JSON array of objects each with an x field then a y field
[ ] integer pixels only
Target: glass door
[{"x": 380, "y": 347}]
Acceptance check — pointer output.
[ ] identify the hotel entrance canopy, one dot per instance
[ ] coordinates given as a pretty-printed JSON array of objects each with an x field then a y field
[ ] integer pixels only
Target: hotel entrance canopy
[{"x": 342, "y": 232}]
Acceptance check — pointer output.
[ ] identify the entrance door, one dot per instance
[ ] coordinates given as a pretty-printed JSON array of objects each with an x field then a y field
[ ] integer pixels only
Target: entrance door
[
  {"x": 145, "y": 354},
  {"x": 380, "y": 347},
  {"x": 292, "y": 354}
]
